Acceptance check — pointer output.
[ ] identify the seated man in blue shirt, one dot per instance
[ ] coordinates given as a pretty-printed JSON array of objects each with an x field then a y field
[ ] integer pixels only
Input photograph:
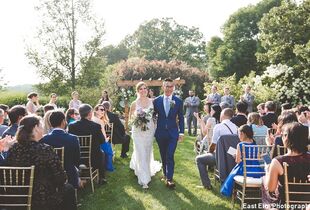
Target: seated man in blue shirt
[{"x": 57, "y": 138}]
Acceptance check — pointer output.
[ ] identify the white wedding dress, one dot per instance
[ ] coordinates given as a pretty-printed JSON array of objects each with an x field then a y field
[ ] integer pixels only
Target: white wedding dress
[{"x": 142, "y": 159}]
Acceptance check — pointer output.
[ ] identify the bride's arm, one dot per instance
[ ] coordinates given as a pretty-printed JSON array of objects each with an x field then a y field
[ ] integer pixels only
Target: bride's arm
[{"x": 132, "y": 110}]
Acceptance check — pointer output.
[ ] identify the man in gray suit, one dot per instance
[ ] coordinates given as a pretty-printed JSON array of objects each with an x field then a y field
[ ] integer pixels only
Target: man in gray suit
[
  {"x": 227, "y": 98},
  {"x": 191, "y": 104},
  {"x": 248, "y": 97},
  {"x": 214, "y": 97}
]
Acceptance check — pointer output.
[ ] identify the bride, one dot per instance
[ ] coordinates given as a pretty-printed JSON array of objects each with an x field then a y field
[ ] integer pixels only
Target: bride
[{"x": 142, "y": 159}]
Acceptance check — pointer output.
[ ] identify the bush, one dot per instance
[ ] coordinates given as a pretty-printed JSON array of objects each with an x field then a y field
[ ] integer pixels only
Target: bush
[{"x": 16, "y": 98}]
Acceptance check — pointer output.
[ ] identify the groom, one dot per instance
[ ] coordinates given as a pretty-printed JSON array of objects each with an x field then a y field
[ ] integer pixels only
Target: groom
[{"x": 170, "y": 128}]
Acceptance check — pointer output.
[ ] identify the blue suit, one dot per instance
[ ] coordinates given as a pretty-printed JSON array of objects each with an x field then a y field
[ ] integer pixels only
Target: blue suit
[
  {"x": 167, "y": 131},
  {"x": 59, "y": 138}
]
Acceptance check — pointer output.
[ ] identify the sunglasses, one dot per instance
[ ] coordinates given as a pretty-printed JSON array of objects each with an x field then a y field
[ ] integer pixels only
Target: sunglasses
[
  {"x": 101, "y": 110},
  {"x": 76, "y": 114}
]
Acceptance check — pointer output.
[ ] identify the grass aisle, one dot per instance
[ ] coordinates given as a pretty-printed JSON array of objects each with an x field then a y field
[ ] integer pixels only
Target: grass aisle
[{"x": 123, "y": 191}]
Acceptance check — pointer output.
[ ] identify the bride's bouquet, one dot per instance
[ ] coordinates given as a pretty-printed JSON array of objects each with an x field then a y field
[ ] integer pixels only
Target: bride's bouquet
[{"x": 142, "y": 117}]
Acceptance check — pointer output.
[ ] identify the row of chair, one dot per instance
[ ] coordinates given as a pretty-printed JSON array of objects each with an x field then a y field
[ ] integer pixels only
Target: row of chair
[{"x": 12, "y": 178}]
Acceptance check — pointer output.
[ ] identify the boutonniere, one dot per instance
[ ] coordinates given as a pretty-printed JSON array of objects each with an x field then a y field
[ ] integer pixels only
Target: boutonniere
[{"x": 172, "y": 104}]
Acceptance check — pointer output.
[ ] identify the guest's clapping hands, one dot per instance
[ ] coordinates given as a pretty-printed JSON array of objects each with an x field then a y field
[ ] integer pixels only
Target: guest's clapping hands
[
  {"x": 6, "y": 143},
  {"x": 196, "y": 115}
]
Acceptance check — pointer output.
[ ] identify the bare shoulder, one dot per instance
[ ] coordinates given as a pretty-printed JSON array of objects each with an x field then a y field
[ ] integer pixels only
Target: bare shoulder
[{"x": 133, "y": 104}]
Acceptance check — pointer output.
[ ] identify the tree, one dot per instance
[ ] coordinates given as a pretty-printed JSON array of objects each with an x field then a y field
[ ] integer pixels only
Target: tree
[
  {"x": 236, "y": 53},
  {"x": 165, "y": 39},
  {"x": 114, "y": 54},
  {"x": 285, "y": 37},
  {"x": 60, "y": 47}
]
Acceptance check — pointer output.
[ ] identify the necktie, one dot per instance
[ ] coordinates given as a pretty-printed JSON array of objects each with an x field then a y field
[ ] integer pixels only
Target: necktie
[{"x": 167, "y": 106}]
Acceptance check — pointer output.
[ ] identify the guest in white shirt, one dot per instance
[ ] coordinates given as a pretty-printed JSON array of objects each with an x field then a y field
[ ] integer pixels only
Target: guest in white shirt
[
  {"x": 75, "y": 102},
  {"x": 226, "y": 127}
]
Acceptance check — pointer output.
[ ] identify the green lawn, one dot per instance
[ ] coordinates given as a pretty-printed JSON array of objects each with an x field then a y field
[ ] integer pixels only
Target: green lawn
[{"x": 123, "y": 192}]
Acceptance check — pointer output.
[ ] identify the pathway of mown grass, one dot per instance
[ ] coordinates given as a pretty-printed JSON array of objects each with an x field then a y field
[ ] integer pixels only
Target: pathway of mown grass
[{"x": 123, "y": 192}]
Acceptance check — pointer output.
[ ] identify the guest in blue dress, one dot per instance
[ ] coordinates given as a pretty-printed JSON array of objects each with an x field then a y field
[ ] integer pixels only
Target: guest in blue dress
[
  {"x": 101, "y": 118},
  {"x": 245, "y": 133}
]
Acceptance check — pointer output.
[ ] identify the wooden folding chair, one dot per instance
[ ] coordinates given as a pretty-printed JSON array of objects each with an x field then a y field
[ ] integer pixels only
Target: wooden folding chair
[
  {"x": 246, "y": 187},
  {"x": 300, "y": 189},
  {"x": 61, "y": 154},
  {"x": 16, "y": 184},
  {"x": 87, "y": 171}
]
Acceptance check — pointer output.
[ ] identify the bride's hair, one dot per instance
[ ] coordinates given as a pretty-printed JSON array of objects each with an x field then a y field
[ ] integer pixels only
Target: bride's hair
[{"x": 139, "y": 85}]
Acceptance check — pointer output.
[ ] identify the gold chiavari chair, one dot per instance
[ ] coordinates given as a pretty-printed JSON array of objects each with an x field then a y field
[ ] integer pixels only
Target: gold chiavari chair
[
  {"x": 109, "y": 132},
  {"x": 87, "y": 171},
  {"x": 16, "y": 184},
  {"x": 297, "y": 191},
  {"x": 245, "y": 186},
  {"x": 61, "y": 154},
  {"x": 281, "y": 150}
]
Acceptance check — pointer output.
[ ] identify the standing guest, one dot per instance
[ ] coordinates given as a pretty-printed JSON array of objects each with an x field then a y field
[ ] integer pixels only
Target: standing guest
[
  {"x": 191, "y": 103},
  {"x": 84, "y": 127},
  {"x": 214, "y": 97},
  {"x": 256, "y": 123},
  {"x": 57, "y": 138},
  {"x": 270, "y": 117},
  {"x": 295, "y": 139},
  {"x": 72, "y": 115},
  {"x": 261, "y": 109},
  {"x": 241, "y": 117},
  {"x": 248, "y": 97},
  {"x": 16, "y": 113},
  {"x": 105, "y": 97},
  {"x": 119, "y": 134},
  {"x": 227, "y": 98},
  {"x": 33, "y": 103},
  {"x": 286, "y": 106},
  {"x": 5, "y": 108},
  {"x": 2, "y": 126},
  {"x": 226, "y": 127},
  {"x": 49, "y": 188},
  {"x": 245, "y": 133},
  {"x": 75, "y": 102},
  {"x": 53, "y": 100},
  {"x": 100, "y": 117},
  {"x": 151, "y": 94}
]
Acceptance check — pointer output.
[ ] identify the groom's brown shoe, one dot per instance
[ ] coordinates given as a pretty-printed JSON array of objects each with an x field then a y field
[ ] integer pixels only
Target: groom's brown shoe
[{"x": 170, "y": 184}]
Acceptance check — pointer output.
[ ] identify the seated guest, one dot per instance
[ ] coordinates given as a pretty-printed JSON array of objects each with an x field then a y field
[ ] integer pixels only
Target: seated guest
[
  {"x": 85, "y": 126},
  {"x": 72, "y": 115},
  {"x": 226, "y": 127},
  {"x": 48, "y": 107},
  {"x": 240, "y": 118},
  {"x": 246, "y": 137},
  {"x": 49, "y": 188},
  {"x": 285, "y": 118},
  {"x": 33, "y": 103},
  {"x": 256, "y": 123},
  {"x": 100, "y": 117},
  {"x": 75, "y": 102},
  {"x": 261, "y": 109},
  {"x": 46, "y": 122},
  {"x": 286, "y": 106},
  {"x": 2, "y": 126},
  {"x": 16, "y": 113},
  {"x": 5, "y": 108},
  {"x": 119, "y": 134},
  {"x": 270, "y": 117},
  {"x": 295, "y": 138},
  {"x": 302, "y": 115},
  {"x": 57, "y": 138}
]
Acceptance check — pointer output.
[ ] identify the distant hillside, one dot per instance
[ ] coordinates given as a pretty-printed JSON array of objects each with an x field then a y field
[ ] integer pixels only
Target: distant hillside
[{"x": 21, "y": 88}]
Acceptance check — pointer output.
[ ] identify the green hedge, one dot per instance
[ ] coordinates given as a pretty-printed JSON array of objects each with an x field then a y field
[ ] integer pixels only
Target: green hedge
[{"x": 13, "y": 98}]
